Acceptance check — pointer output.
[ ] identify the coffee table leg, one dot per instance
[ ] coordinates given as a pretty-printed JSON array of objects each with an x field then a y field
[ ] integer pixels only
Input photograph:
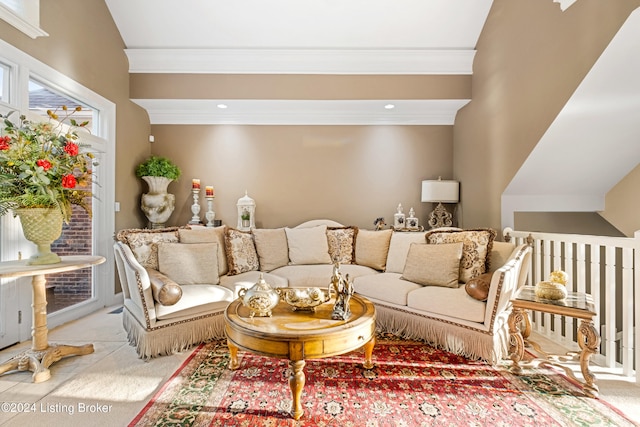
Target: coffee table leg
[
  {"x": 516, "y": 340},
  {"x": 296, "y": 382},
  {"x": 368, "y": 352},
  {"x": 588, "y": 340},
  {"x": 233, "y": 356}
]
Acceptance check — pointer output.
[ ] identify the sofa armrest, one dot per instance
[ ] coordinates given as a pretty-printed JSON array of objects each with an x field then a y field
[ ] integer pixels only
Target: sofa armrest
[
  {"x": 136, "y": 285},
  {"x": 505, "y": 281}
]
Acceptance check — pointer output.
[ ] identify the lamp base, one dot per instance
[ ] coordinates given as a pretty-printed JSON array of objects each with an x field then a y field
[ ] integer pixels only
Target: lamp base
[{"x": 440, "y": 217}]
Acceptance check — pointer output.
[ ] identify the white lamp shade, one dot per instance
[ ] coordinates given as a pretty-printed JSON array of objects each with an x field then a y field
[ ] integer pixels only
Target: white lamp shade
[{"x": 440, "y": 191}]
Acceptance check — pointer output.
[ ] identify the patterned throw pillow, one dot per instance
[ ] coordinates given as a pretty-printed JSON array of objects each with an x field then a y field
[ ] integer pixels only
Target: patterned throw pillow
[
  {"x": 241, "y": 251},
  {"x": 476, "y": 249},
  {"x": 342, "y": 246},
  {"x": 144, "y": 243}
]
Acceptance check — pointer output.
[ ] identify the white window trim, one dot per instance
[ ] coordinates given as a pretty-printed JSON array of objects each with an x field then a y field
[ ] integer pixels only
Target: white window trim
[
  {"x": 103, "y": 139},
  {"x": 30, "y": 25}
]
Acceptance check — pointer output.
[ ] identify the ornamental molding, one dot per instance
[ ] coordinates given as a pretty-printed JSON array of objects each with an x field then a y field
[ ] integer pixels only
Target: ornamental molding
[
  {"x": 297, "y": 112},
  {"x": 564, "y": 4},
  {"x": 301, "y": 61}
]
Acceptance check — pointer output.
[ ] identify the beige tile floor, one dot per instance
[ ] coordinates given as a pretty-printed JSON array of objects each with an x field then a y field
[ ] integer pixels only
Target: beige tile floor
[{"x": 111, "y": 386}]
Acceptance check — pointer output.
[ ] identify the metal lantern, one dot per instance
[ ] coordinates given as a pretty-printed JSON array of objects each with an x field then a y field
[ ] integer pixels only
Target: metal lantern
[{"x": 246, "y": 213}]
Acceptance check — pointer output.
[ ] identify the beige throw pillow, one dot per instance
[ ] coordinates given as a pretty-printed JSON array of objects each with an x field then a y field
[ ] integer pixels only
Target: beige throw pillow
[
  {"x": 341, "y": 242},
  {"x": 372, "y": 248},
  {"x": 399, "y": 248},
  {"x": 308, "y": 245},
  {"x": 207, "y": 235},
  {"x": 272, "y": 249},
  {"x": 189, "y": 264},
  {"x": 241, "y": 251},
  {"x": 433, "y": 265},
  {"x": 476, "y": 253}
]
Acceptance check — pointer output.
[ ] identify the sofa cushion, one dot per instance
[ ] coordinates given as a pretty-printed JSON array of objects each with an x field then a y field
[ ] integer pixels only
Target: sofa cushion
[
  {"x": 196, "y": 300},
  {"x": 144, "y": 243},
  {"x": 372, "y": 248},
  {"x": 319, "y": 275},
  {"x": 207, "y": 235},
  {"x": 433, "y": 265},
  {"x": 165, "y": 291},
  {"x": 451, "y": 302},
  {"x": 500, "y": 254},
  {"x": 477, "y": 245},
  {"x": 272, "y": 248},
  {"x": 189, "y": 264},
  {"x": 388, "y": 287},
  {"x": 342, "y": 244},
  {"x": 399, "y": 248},
  {"x": 478, "y": 287},
  {"x": 241, "y": 251},
  {"x": 308, "y": 245},
  {"x": 250, "y": 278}
]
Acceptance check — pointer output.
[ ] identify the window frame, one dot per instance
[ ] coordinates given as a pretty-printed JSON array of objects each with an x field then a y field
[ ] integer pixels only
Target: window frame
[{"x": 28, "y": 22}]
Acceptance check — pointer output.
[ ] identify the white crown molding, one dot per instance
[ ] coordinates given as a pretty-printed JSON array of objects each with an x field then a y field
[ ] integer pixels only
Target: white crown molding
[
  {"x": 301, "y": 61},
  {"x": 294, "y": 112},
  {"x": 32, "y": 29},
  {"x": 564, "y": 4}
]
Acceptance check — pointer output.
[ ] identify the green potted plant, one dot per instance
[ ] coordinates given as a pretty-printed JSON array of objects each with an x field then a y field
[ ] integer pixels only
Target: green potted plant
[
  {"x": 246, "y": 217},
  {"x": 158, "y": 204}
]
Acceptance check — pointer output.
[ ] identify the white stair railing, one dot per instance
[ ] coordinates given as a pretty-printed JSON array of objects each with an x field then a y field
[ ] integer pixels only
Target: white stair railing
[{"x": 607, "y": 268}]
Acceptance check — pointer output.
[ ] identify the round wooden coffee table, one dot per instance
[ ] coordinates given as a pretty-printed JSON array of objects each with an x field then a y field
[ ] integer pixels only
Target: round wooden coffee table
[{"x": 300, "y": 335}]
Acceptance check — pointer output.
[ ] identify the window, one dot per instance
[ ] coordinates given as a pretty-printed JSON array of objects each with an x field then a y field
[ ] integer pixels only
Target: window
[
  {"x": 4, "y": 82},
  {"x": 24, "y": 15}
]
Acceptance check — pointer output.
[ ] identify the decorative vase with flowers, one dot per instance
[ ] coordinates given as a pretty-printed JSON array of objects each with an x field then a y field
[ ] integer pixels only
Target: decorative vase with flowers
[
  {"x": 158, "y": 204},
  {"x": 43, "y": 172}
]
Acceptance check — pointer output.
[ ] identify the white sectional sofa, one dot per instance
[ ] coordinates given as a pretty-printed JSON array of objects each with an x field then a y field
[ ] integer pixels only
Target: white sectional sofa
[{"x": 178, "y": 281}]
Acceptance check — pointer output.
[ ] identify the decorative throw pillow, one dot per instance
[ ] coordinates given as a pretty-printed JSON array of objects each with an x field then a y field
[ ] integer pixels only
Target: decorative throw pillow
[
  {"x": 433, "y": 265},
  {"x": 241, "y": 251},
  {"x": 189, "y": 264},
  {"x": 165, "y": 291},
  {"x": 476, "y": 253},
  {"x": 478, "y": 287},
  {"x": 308, "y": 245},
  {"x": 207, "y": 235},
  {"x": 272, "y": 249},
  {"x": 399, "y": 248},
  {"x": 342, "y": 244},
  {"x": 372, "y": 248},
  {"x": 144, "y": 243}
]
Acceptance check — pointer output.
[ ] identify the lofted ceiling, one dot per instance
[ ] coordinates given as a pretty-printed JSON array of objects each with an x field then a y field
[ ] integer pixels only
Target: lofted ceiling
[{"x": 304, "y": 37}]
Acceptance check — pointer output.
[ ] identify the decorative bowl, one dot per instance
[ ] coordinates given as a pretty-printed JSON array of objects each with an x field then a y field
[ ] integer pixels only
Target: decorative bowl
[
  {"x": 551, "y": 290},
  {"x": 303, "y": 299}
]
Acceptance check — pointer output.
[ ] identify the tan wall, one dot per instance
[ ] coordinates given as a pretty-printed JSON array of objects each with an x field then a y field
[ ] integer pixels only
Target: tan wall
[
  {"x": 565, "y": 222},
  {"x": 531, "y": 57},
  {"x": 85, "y": 45},
  {"x": 351, "y": 174},
  {"x": 622, "y": 204}
]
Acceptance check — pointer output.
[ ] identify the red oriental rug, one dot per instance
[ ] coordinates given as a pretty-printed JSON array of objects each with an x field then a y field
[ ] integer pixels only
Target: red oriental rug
[{"x": 412, "y": 384}]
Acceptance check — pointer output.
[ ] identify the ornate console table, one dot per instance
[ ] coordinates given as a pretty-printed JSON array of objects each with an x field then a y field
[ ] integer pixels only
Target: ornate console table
[{"x": 42, "y": 355}]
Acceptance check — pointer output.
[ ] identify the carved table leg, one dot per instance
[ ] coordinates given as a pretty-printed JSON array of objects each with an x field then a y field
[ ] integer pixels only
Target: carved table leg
[
  {"x": 41, "y": 355},
  {"x": 516, "y": 338},
  {"x": 368, "y": 352},
  {"x": 588, "y": 340},
  {"x": 296, "y": 382},
  {"x": 233, "y": 356}
]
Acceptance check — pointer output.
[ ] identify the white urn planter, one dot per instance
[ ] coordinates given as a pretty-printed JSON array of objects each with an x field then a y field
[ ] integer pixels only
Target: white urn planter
[{"x": 157, "y": 204}]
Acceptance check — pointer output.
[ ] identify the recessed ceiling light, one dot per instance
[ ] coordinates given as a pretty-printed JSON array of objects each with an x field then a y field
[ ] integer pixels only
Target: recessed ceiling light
[
  {"x": 222, "y": 106},
  {"x": 390, "y": 106}
]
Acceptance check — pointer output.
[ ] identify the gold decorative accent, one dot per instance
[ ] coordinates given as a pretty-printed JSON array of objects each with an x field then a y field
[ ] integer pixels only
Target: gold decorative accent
[
  {"x": 261, "y": 298},
  {"x": 303, "y": 299},
  {"x": 440, "y": 217}
]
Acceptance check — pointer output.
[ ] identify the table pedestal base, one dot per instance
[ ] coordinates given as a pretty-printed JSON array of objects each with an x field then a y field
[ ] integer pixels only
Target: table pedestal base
[{"x": 38, "y": 361}]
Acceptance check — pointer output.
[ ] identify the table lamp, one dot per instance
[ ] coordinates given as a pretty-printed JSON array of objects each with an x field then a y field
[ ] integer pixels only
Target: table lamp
[{"x": 439, "y": 191}]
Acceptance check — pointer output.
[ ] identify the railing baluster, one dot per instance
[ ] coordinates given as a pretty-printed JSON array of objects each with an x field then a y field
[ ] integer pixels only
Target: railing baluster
[{"x": 627, "y": 311}]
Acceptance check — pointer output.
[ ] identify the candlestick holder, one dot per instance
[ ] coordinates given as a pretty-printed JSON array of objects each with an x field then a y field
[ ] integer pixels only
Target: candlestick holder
[
  {"x": 195, "y": 208},
  {"x": 210, "y": 215}
]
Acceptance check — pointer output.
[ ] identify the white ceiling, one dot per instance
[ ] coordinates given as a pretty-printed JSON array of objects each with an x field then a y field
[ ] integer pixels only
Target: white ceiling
[{"x": 302, "y": 37}]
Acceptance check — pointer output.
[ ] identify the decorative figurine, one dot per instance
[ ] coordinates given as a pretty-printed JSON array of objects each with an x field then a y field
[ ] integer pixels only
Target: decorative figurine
[
  {"x": 412, "y": 221},
  {"x": 343, "y": 288},
  {"x": 398, "y": 218},
  {"x": 379, "y": 223}
]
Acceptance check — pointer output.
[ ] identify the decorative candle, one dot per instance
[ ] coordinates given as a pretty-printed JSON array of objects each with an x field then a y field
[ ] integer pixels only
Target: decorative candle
[
  {"x": 209, "y": 191},
  {"x": 195, "y": 184}
]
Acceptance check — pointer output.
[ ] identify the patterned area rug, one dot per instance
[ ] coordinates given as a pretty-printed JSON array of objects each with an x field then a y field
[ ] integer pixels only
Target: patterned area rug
[{"x": 412, "y": 384}]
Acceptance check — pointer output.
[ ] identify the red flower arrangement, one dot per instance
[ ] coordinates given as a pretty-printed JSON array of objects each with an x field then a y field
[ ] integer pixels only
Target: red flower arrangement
[{"x": 41, "y": 165}]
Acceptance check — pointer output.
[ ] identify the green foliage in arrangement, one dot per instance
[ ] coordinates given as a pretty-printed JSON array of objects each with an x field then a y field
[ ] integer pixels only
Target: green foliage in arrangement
[{"x": 158, "y": 166}]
